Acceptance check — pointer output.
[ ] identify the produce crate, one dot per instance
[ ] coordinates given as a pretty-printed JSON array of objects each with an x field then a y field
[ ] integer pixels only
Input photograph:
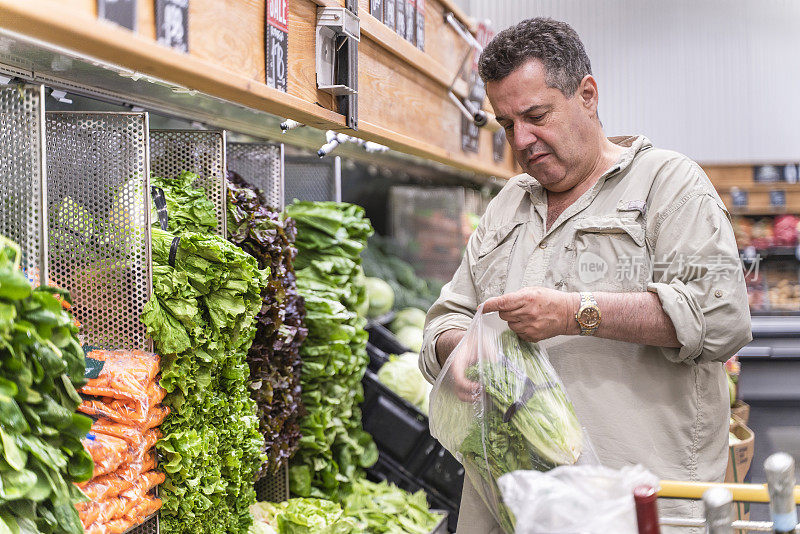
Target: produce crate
[
  {"x": 397, "y": 427},
  {"x": 312, "y": 178},
  {"x": 23, "y": 197},
  {"x": 740, "y": 456},
  {"x": 441, "y": 528},
  {"x": 275, "y": 487},
  {"x": 390, "y": 471},
  {"x": 444, "y": 473},
  {"x": 383, "y": 339},
  {"x": 261, "y": 165},
  {"x": 99, "y": 222},
  {"x": 198, "y": 151},
  {"x": 376, "y": 357}
]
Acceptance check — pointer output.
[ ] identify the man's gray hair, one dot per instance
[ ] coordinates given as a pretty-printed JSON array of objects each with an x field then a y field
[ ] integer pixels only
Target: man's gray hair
[{"x": 556, "y": 44}]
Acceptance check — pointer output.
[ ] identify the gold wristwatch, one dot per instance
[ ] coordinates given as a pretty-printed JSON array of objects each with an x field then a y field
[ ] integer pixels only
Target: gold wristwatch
[{"x": 588, "y": 315}]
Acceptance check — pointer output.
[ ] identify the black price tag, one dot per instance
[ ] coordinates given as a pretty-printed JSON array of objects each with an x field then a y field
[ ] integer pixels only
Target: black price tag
[
  {"x": 411, "y": 23},
  {"x": 420, "y": 11},
  {"x": 499, "y": 145},
  {"x": 791, "y": 174},
  {"x": 160, "y": 202},
  {"x": 277, "y": 44},
  {"x": 777, "y": 198},
  {"x": 739, "y": 198},
  {"x": 767, "y": 173},
  {"x": 388, "y": 13},
  {"x": 470, "y": 134},
  {"x": 122, "y": 12},
  {"x": 172, "y": 24},
  {"x": 376, "y": 9},
  {"x": 400, "y": 17}
]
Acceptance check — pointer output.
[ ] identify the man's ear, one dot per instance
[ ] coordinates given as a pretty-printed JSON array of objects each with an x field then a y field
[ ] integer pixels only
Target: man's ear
[{"x": 588, "y": 95}]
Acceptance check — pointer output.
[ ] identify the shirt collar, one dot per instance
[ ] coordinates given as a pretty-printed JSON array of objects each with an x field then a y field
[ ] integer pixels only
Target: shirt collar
[{"x": 633, "y": 143}]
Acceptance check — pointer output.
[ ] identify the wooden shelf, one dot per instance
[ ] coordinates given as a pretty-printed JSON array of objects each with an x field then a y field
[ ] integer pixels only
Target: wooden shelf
[{"x": 402, "y": 91}]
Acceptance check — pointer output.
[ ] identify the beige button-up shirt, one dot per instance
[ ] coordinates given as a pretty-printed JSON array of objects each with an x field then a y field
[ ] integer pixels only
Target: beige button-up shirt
[{"x": 653, "y": 222}]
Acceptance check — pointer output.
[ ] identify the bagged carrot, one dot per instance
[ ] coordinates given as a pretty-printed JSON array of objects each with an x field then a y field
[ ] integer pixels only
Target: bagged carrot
[
  {"x": 108, "y": 452},
  {"x": 126, "y": 375},
  {"x": 112, "y": 484}
]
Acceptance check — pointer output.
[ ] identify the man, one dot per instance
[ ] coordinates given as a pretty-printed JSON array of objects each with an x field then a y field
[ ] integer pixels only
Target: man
[{"x": 619, "y": 258}]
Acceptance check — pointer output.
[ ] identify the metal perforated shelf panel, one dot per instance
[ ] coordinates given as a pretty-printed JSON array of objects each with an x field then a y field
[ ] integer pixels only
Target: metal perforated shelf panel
[
  {"x": 150, "y": 526},
  {"x": 98, "y": 221},
  {"x": 261, "y": 165},
  {"x": 23, "y": 192},
  {"x": 274, "y": 488},
  {"x": 312, "y": 178},
  {"x": 198, "y": 151}
]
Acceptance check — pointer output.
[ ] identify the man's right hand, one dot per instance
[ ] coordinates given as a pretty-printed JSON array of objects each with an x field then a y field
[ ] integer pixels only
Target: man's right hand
[{"x": 449, "y": 346}]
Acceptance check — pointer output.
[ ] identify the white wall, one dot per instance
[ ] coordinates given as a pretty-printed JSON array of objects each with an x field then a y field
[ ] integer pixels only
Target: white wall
[{"x": 718, "y": 80}]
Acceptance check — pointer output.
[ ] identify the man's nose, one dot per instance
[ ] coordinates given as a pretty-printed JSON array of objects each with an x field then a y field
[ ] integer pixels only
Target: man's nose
[{"x": 523, "y": 137}]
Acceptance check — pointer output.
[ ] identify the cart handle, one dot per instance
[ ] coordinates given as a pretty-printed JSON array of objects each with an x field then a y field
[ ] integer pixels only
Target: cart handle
[{"x": 674, "y": 489}]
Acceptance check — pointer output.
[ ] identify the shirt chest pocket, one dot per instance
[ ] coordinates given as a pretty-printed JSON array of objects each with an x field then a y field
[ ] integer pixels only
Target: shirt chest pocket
[
  {"x": 490, "y": 268},
  {"x": 608, "y": 253}
]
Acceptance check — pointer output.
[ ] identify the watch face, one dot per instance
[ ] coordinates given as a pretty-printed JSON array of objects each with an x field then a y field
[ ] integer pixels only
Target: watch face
[{"x": 589, "y": 317}]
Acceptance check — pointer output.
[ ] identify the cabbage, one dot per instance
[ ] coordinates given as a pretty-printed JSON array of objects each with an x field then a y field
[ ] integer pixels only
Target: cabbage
[
  {"x": 401, "y": 374},
  {"x": 380, "y": 296},
  {"x": 411, "y": 337},
  {"x": 408, "y": 317}
]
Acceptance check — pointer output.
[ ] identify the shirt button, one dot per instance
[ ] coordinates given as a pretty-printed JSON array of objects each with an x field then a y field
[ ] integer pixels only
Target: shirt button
[
  {"x": 718, "y": 293},
  {"x": 543, "y": 244}
]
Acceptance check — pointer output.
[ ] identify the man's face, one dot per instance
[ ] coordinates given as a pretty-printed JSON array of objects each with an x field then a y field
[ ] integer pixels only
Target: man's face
[{"x": 547, "y": 131}]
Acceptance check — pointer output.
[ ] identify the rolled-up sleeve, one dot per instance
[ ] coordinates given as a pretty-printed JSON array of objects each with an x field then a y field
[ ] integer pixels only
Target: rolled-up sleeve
[
  {"x": 699, "y": 280},
  {"x": 454, "y": 309}
]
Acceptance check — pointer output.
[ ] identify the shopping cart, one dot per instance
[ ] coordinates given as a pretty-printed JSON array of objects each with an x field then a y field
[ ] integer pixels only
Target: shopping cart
[{"x": 753, "y": 493}]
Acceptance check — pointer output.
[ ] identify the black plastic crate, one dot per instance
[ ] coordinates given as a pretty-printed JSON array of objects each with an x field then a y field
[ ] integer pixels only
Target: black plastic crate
[
  {"x": 390, "y": 471},
  {"x": 398, "y": 428},
  {"x": 382, "y": 338},
  {"x": 376, "y": 357},
  {"x": 444, "y": 473}
]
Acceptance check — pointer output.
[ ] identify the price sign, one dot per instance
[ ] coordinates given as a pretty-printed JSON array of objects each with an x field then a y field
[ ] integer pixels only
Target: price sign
[
  {"x": 470, "y": 134},
  {"x": 277, "y": 43},
  {"x": 420, "y": 24},
  {"x": 777, "y": 198},
  {"x": 400, "y": 18},
  {"x": 376, "y": 9},
  {"x": 767, "y": 173},
  {"x": 388, "y": 13},
  {"x": 499, "y": 145},
  {"x": 411, "y": 22},
  {"x": 790, "y": 174},
  {"x": 122, "y": 12},
  {"x": 172, "y": 24},
  {"x": 739, "y": 197}
]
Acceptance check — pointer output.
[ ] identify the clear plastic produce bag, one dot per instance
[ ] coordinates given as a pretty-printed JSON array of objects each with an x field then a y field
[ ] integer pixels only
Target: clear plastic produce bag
[
  {"x": 499, "y": 407},
  {"x": 589, "y": 499}
]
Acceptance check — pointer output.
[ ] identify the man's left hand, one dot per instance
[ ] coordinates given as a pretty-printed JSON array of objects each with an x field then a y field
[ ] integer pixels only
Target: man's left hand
[{"x": 537, "y": 313}]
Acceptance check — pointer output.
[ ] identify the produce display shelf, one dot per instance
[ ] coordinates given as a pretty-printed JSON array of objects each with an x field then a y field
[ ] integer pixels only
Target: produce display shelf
[
  {"x": 274, "y": 487},
  {"x": 23, "y": 196},
  {"x": 312, "y": 178},
  {"x": 148, "y": 526},
  {"x": 98, "y": 212},
  {"x": 202, "y": 152},
  {"x": 261, "y": 165}
]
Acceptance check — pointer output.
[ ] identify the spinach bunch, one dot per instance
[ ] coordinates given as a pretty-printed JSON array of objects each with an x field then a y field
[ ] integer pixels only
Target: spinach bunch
[{"x": 41, "y": 365}]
